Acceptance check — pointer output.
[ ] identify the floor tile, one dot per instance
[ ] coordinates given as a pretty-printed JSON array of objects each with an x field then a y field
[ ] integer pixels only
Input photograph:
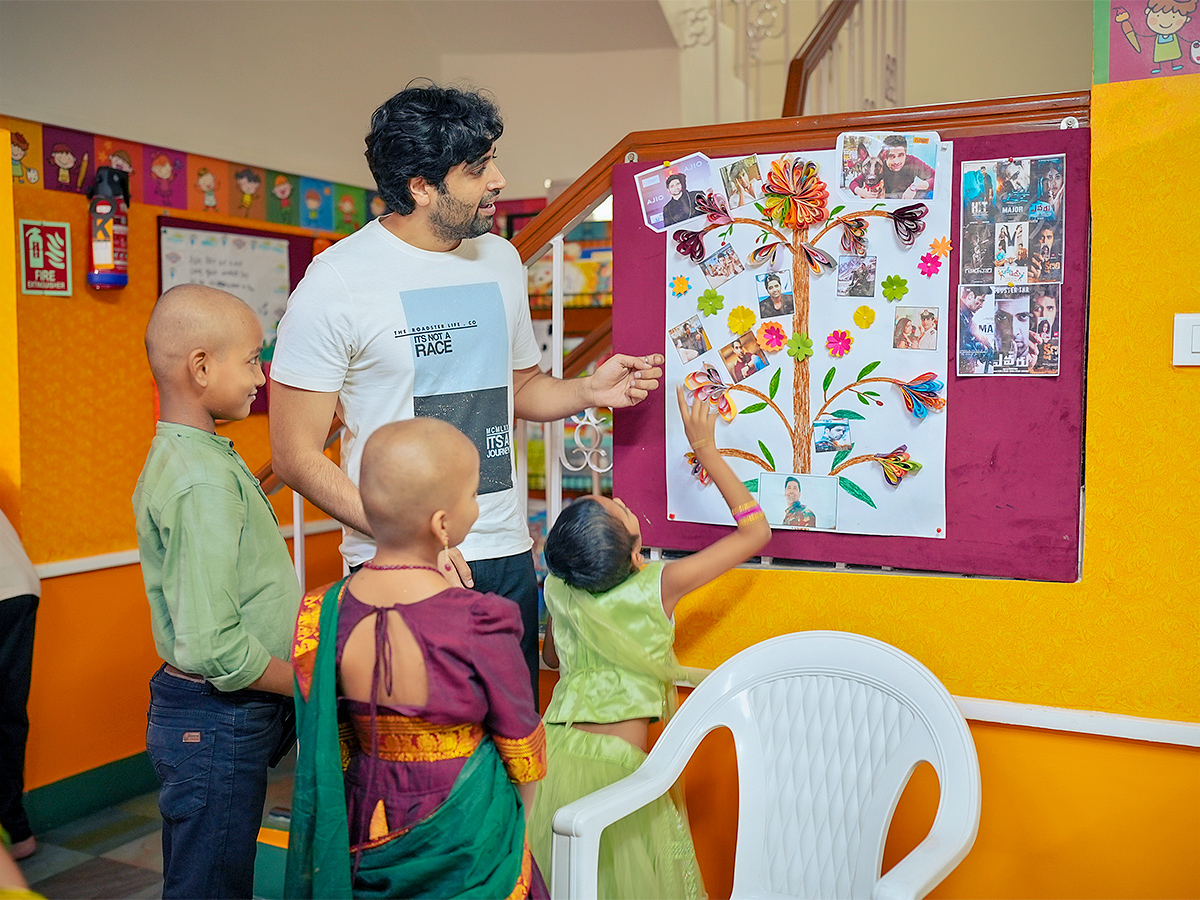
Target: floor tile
[
  {"x": 103, "y": 831},
  {"x": 145, "y": 851},
  {"x": 50, "y": 859},
  {"x": 97, "y": 879}
]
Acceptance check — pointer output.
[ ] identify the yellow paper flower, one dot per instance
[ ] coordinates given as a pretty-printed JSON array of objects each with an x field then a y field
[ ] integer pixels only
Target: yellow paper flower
[
  {"x": 771, "y": 336},
  {"x": 864, "y": 316},
  {"x": 741, "y": 319}
]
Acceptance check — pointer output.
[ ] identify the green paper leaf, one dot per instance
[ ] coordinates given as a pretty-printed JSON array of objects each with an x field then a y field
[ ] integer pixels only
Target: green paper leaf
[
  {"x": 846, "y": 414},
  {"x": 841, "y": 457},
  {"x": 837, "y": 209},
  {"x": 829, "y": 378},
  {"x": 751, "y": 485},
  {"x": 767, "y": 455},
  {"x": 774, "y": 384},
  {"x": 856, "y": 492},
  {"x": 868, "y": 369},
  {"x": 757, "y": 407}
]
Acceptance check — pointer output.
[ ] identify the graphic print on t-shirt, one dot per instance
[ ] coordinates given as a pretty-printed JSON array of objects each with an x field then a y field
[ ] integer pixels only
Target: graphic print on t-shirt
[{"x": 461, "y": 369}]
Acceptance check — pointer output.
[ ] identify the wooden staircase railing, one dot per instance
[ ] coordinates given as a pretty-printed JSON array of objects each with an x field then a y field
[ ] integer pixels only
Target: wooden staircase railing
[{"x": 820, "y": 41}]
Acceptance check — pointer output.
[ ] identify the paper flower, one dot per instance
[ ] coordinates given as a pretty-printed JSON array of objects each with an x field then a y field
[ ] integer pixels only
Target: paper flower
[
  {"x": 894, "y": 287},
  {"x": 929, "y": 265},
  {"x": 897, "y": 464},
  {"x": 799, "y": 346},
  {"x": 864, "y": 316},
  {"x": 680, "y": 285},
  {"x": 707, "y": 385},
  {"x": 816, "y": 259},
  {"x": 854, "y": 236},
  {"x": 838, "y": 343},
  {"x": 771, "y": 337},
  {"x": 794, "y": 196},
  {"x": 698, "y": 471},
  {"x": 690, "y": 244},
  {"x": 741, "y": 319},
  {"x": 920, "y": 394},
  {"x": 760, "y": 255},
  {"x": 908, "y": 222},
  {"x": 710, "y": 302},
  {"x": 942, "y": 246},
  {"x": 713, "y": 205}
]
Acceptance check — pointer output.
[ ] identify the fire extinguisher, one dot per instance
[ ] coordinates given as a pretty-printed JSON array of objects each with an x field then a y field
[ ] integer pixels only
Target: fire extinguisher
[{"x": 109, "y": 217}]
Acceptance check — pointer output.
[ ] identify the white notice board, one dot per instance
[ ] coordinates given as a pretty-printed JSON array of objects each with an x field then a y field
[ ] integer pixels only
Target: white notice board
[{"x": 256, "y": 269}]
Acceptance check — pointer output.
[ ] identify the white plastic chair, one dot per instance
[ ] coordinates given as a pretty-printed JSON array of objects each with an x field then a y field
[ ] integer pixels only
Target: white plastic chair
[{"x": 828, "y": 728}]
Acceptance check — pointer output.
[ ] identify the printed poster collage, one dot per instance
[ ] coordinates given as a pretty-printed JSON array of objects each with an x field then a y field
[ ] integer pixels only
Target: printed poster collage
[{"x": 807, "y": 299}]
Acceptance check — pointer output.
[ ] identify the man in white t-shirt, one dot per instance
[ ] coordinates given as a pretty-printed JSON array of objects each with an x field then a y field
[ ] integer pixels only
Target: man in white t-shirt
[{"x": 423, "y": 312}]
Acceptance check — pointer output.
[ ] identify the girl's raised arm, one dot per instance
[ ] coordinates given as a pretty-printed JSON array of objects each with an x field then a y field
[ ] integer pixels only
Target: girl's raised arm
[{"x": 683, "y": 576}]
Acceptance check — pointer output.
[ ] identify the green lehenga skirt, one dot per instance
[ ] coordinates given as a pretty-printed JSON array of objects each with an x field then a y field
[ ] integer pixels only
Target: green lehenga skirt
[{"x": 648, "y": 855}]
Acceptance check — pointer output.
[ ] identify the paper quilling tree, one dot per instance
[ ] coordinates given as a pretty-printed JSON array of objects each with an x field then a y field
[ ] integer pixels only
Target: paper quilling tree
[{"x": 794, "y": 220}]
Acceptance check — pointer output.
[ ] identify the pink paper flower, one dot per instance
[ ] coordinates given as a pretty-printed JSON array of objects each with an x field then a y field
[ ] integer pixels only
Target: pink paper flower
[
  {"x": 838, "y": 343},
  {"x": 930, "y": 264}
]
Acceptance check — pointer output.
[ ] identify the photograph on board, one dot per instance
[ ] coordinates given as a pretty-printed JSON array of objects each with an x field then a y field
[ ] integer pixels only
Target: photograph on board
[{"x": 793, "y": 500}]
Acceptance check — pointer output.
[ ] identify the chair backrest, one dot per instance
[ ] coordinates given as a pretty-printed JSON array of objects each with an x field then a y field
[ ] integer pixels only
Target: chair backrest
[{"x": 828, "y": 728}]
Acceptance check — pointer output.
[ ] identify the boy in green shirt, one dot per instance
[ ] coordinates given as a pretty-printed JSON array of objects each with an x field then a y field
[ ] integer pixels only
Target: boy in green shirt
[{"x": 223, "y": 597}]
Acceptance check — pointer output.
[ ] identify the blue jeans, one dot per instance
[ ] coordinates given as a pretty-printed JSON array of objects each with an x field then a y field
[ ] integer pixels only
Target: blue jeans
[{"x": 211, "y": 751}]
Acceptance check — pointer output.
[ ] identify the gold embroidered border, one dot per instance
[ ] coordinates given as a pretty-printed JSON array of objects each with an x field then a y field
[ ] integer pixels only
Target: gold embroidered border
[
  {"x": 306, "y": 637},
  {"x": 409, "y": 739},
  {"x": 524, "y": 758},
  {"x": 525, "y": 881}
]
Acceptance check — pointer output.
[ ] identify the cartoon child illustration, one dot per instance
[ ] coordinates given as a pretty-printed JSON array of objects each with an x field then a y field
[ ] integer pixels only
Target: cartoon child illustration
[
  {"x": 347, "y": 208},
  {"x": 206, "y": 183},
  {"x": 164, "y": 174},
  {"x": 378, "y": 207},
  {"x": 22, "y": 174},
  {"x": 64, "y": 160},
  {"x": 312, "y": 203},
  {"x": 120, "y": 160},
  {"x": 248, "y": 183},
  {"x": 1164, "y": 18},
  {"x": 283, "y": 192}
]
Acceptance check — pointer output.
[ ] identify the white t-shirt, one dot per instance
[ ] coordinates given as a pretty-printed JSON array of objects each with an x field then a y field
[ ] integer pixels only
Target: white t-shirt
[{"x": 402, "y": 332}]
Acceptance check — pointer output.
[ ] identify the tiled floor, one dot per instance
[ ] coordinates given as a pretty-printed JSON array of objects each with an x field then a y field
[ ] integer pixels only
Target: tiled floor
[{"x": 116, "y": 853}]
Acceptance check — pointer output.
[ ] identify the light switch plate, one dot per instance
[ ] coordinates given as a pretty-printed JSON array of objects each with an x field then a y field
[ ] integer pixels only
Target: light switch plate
[{"x": 1186, "y": 350}]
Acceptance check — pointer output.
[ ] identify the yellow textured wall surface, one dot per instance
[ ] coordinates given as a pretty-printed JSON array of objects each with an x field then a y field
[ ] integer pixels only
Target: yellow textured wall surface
[{"x": 87, "y": 396}]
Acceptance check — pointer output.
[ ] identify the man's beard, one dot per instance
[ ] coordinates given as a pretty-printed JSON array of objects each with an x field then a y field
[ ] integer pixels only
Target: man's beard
[{"x": 454, "y": 220}]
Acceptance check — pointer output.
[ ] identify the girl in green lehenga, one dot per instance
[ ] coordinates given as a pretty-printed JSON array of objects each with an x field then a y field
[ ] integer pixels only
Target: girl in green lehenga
[{"x": 611, "y": 631}]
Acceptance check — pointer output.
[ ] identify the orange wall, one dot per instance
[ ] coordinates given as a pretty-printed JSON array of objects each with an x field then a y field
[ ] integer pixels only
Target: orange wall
[{"x": 92, "y": 658}]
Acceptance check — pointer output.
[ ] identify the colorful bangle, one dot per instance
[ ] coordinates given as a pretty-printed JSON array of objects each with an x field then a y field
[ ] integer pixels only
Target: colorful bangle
[
  {"x": 745, "y": 513},
  {"x": 752, "y": 517},
  {"x": 745, "y": 507},
  {"x": 703, "y": 442}
]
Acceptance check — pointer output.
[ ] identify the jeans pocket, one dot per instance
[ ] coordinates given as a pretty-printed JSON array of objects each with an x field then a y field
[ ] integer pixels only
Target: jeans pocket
[{"x": 182, "y": 757}]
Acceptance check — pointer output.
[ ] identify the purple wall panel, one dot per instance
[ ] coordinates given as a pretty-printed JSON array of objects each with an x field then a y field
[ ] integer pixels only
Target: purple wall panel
[{"x": 1014, "y": 444}]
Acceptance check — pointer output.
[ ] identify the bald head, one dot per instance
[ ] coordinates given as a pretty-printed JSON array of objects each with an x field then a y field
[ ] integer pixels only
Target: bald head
[
  {"x": 410, "y": 470},
  {"x": 187, "y": 318}
]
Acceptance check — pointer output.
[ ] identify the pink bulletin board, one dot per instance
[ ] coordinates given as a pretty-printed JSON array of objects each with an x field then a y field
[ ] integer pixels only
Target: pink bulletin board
[{"x": 1014, "y": 446}]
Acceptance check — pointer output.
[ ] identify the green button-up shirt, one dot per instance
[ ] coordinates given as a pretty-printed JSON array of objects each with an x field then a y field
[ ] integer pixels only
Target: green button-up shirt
[{"x": 223, "y": 593}]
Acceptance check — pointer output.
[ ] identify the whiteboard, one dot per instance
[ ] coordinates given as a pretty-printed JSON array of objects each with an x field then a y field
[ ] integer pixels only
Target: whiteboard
[{"x": 254, "y": 268}]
